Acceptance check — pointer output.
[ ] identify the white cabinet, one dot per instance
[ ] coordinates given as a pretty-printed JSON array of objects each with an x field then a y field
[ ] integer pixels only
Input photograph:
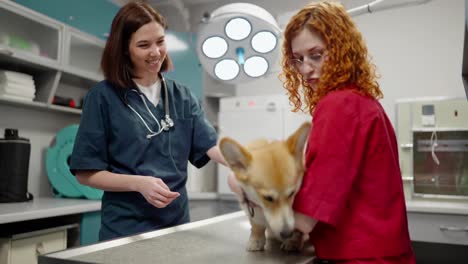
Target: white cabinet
[
  {"x": 438, "y": 228},
  {"x": 246, "y": 118},
  {"x": 63, "y": 61},
  {"x": 26, "y": 247},
  {"x": 30, "y": 43},
  {"x": 28, "y": 35}
]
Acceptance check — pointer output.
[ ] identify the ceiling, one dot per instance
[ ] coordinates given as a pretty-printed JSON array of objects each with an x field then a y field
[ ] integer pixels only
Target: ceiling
[
  {"x": 185, "y": 15},
  {"x": 191, "y": 3}
]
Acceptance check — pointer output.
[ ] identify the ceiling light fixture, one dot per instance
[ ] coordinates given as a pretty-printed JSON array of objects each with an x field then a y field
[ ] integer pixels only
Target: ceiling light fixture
[{"x": 238, "y": 42}]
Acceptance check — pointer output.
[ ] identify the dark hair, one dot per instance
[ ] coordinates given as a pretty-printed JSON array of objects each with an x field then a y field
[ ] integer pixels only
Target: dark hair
[{"x": 115, "y": 61}]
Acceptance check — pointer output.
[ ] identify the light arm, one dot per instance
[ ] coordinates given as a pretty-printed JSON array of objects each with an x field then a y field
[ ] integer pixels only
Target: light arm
[
  {"x": 216, "y": 155},
  {"x": 304, "y": 223}
]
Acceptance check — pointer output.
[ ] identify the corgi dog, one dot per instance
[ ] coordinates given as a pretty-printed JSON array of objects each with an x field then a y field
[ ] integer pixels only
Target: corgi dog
[{"x": 269, "y": 175}]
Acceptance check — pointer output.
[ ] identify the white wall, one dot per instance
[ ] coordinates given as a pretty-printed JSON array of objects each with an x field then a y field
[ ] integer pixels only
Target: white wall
[
  {"x": 269, "y": 84},
  {"x": 418, "y": 50}
]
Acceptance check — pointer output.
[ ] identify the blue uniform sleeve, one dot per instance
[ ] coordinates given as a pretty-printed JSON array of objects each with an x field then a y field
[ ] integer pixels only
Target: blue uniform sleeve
[
  {"x": 90, "y": 148},
  {"x": 204, "y": 135}
]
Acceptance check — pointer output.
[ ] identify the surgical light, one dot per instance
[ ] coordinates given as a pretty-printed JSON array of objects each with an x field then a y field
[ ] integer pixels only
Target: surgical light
[{"x": 238, "y": 42}]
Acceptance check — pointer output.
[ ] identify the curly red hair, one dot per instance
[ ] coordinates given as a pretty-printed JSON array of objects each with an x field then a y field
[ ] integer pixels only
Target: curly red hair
[{"x": 347, "y": 60}]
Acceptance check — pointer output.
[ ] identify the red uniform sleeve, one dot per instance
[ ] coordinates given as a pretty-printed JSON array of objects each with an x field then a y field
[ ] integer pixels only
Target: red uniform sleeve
[{"x": 333, "y": 157}]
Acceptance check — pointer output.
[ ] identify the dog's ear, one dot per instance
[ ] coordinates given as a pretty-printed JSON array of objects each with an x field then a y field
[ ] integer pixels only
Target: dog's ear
[
  {"x": 297, "y": 141},
  {"x": 236, "y": 156}
]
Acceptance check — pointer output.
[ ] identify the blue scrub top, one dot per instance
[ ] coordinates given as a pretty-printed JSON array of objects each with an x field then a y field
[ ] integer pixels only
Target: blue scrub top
[{"x": 112, "y": 137}]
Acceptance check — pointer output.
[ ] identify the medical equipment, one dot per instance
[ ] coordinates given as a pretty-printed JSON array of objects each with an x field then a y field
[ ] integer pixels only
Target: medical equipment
[
  {"x": 165, "y": 123},
  {"x": 238, "y": 42},
  {"x": 381, "y": 5},
  {"x": 14, "y": 166},
  {"x": 433, "y": 146}
]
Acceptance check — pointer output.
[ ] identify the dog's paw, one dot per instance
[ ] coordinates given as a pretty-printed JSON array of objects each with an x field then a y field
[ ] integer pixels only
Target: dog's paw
[
  {"x": 256, "y": 245},
  {"x": 291, "y": 245},
  {"x": 294, "y": 243}
]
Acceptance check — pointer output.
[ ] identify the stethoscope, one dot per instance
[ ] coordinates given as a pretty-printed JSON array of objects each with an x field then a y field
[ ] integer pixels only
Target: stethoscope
[{"x": 166, "y": 123}]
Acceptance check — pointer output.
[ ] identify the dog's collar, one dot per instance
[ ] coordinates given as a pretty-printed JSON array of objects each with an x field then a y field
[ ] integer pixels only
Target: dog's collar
[{"x": 250, "y": 205}]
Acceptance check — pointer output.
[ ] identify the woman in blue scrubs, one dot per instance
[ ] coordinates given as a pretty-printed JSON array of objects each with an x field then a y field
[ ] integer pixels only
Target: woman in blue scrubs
[{"x": 138, "y": 131}]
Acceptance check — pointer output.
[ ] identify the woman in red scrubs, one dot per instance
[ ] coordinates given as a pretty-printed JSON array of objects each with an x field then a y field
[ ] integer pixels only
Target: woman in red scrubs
[{"x": 351, "y": 202}]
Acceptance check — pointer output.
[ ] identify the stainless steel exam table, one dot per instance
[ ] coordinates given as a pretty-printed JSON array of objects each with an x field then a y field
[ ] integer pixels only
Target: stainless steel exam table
[{"x": 220, "y": 239}]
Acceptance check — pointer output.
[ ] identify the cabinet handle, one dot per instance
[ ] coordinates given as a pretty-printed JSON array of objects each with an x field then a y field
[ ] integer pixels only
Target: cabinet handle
[
  {"x": 40, "y": 248},
  {"x": 406, "y": 146},
  {"x": 6, "y": 52},
  {"x": 453, "y": 228},
  {"x": 271, "y": 107}
]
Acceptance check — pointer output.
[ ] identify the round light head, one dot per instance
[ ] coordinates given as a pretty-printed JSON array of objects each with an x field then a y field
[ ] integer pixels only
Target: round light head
[
  {"x": 264, "y": 42},
  {"x": 255, "y": 66},
  {"x": 214, "y": 47},
  {"x": 226, "y": 69},
  {"x": 238, "y": 28}
]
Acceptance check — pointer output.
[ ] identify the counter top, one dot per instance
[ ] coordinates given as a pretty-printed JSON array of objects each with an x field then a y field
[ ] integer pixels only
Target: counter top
[
  {"x": 49, "y": 207},
  {"x": 44, "y": 208},
  {"x": 437, "y": 207},
  {"x": 221, "y": 239}
]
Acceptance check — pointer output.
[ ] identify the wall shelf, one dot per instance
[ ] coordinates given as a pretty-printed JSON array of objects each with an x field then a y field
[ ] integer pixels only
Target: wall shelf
[
  {"x": 62, "y": 60},
  {"x": 14, "y": 102},
  {"x": 40, "y": 106}
]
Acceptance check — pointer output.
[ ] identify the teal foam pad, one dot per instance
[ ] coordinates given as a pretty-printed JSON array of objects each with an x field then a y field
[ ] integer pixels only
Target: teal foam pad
[{"x": 63, "y": 182}]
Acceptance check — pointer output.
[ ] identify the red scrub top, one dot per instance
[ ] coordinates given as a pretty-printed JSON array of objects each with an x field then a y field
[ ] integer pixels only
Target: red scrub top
[{"x": 352, "y": 184}]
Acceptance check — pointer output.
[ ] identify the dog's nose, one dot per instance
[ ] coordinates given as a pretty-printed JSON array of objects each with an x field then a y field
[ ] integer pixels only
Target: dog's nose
[{"x": 286, "y": 233}]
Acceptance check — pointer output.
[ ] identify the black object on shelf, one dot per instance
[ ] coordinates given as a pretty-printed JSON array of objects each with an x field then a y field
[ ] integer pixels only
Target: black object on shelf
[
  {"x": 64, "y": 101},
  {"x": 14, "y": 167}
]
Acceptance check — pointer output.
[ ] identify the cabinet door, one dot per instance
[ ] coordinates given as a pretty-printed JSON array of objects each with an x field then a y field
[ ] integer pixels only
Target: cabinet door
[
  {"x": 245, "y": 126},
  {"x": 438, "y": 228},
  {"x": 29, "y": 36},
  {"x": 26, "y": 250}
]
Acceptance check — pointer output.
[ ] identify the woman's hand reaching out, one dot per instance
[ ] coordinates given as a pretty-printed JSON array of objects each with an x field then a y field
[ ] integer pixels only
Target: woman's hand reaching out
[{"x": 156, "y": 191}]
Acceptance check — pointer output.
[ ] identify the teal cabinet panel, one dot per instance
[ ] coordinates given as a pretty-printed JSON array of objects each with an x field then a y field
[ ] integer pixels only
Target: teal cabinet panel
[
  {"x": 187, "y": 67},
  {"x": 89, "y": 228},
  {"x": 90, "y": 16}
]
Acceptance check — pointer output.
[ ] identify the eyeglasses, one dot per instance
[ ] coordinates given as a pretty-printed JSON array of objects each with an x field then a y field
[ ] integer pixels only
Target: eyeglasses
[{"x": 314, "y": 60}]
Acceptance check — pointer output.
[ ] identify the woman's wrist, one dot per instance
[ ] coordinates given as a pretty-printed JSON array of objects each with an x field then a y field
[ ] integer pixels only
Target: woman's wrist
[{"x": 136, "y": 183}]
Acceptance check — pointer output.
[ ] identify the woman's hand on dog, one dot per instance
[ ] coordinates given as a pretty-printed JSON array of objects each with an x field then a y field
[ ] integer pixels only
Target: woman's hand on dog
[{"x": 234, "y": 185}]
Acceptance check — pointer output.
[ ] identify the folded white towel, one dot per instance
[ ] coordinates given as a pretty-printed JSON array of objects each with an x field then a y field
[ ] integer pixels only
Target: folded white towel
[
  {"x": 15, "y": 77},
  {"x": 15, "y": 97},
  {"x": 17, "y": 93},
  {"x": 18, "y": 89},
  {"x": 15, "y": 81}
]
